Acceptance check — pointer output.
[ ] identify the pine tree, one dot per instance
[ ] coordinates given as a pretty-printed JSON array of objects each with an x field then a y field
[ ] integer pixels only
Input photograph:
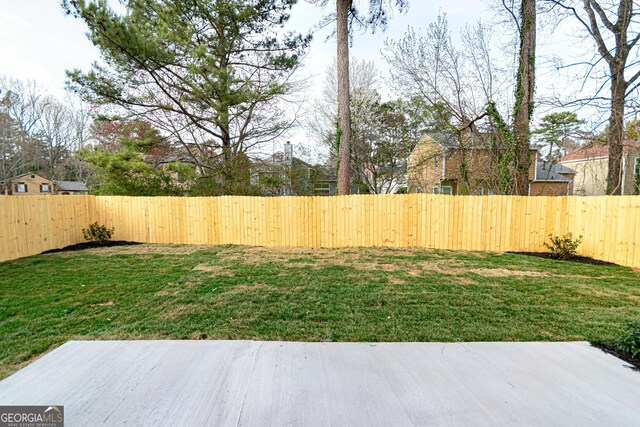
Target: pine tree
[{"x": 210, "y": 72}]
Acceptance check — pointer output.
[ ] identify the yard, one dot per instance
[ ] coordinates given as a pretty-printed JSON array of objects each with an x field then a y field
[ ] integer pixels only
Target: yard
[{"x": 371, "y": 294}]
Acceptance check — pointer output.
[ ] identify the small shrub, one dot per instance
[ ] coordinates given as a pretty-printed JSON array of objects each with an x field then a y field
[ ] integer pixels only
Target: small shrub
[
  {"x": 563, "y": 247},
  {"x": 97, "y": 233},
  {"x": 629, "y": 342}
]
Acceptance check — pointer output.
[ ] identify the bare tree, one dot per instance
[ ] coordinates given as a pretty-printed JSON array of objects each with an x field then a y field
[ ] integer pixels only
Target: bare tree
[
  {"x": 11, "y": 155},
  {"x": 39, "y": 132},
  {"x": 21, "y": 111},
  {"x": 346, "y": 16},
  {"x": 364, "y": 79},
  {"x": 56, "y": 135},
  {"x": 614, "y": 29},
  {"x": 382, "y": 133},
  {"x": 465, "y": 82},
  {"x": 463, "y": 79},
  {"x": 363, "y": 95}
]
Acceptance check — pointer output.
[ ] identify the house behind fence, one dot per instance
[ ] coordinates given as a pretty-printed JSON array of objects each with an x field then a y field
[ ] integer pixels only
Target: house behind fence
[
  {"x": 31, "y": 183},
  {"x": 283, "y": 174},
  {"x": 591, "y": 165},
  {"x": 438, "y": 164}
]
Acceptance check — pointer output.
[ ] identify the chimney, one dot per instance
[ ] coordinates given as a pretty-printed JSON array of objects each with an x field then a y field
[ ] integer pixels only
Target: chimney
[{"x": 288, "y": 153}]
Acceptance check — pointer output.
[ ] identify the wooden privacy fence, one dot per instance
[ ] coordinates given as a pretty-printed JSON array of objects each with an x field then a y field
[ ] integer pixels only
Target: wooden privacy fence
[
  {"x": 610, "y": 225},
  {"x": 33, "y": 224}
]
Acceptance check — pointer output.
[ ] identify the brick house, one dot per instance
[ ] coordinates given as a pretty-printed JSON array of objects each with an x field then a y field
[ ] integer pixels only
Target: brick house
[{"x": 434, "y": 166}]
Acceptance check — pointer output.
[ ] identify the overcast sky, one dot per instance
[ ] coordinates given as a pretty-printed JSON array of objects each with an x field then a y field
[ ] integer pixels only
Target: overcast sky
[{"x": 40, "y": 42}]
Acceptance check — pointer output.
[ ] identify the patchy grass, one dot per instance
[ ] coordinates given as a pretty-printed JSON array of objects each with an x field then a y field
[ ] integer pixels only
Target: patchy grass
[{"x": 370, "y": 294}]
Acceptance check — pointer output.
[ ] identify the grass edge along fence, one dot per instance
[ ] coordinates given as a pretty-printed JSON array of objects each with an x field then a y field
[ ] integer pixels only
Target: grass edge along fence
[{"x": 610, "y": 225}]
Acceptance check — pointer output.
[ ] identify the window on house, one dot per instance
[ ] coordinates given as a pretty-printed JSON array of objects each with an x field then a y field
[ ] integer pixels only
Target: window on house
[
  {"x": 21, "y": 187},
  {"x": 322, "y": 188},
  {"x": 435, "y": 162},
  {"x": 44, "y": 188},
  {"x": 479, "y": 191},
  {"x": 442, "y": 189}
]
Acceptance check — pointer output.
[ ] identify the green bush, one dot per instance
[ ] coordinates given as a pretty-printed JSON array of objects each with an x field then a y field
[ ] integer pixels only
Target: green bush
[
  {"x": 563, "y": 247},
  {"x": 97, "y": 233},
  {"x": 629, "y": 342}
]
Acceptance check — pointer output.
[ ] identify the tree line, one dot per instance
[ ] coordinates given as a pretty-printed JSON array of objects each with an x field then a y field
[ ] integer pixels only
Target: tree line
[
  {"x": 39, "y": 132},
  {"x": 188, "y": 91}
]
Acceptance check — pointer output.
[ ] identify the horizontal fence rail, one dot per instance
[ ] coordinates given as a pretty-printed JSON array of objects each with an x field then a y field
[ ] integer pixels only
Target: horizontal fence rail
[{"x": 610, "y": 226}]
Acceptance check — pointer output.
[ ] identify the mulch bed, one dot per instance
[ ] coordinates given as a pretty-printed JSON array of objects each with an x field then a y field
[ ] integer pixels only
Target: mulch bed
[
  {"x": 612, "y": 349},
  {"x": 582, "y": 259},
  {"x": 91, "y": 245}
]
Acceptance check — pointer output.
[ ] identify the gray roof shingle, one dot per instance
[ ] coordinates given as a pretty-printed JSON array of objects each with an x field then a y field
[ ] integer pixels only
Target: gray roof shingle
[
  {"x": 71, "y": 186},
  {"x": 546, "y": 171}
]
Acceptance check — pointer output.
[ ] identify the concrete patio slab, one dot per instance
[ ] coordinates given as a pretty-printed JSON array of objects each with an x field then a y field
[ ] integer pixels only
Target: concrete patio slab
[{"x": 250, "y": 383}]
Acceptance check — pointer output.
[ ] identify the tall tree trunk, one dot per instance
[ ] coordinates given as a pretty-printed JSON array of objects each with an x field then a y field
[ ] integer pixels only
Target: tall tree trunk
[
  {"x": 344, "y": 126},
  {"x": 222, "y": 108},
  {"x": 617, "y": 59},
  {"x": 616, "y": 131},
  {"x": 524, "y": 96}
]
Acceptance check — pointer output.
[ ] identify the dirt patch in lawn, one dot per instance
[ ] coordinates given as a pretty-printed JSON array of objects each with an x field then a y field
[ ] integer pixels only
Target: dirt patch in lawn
[
  {"x": 241, "y": 289},
  {"x": 145, "y": 248},
  {"x": 370, "y": 266},
  {"x": 417, "y": 269},
  {"x": 128, "y": 248},
  {"x": 393, "y": 280},
  {"x": 503, "y": 272},
  {"x": 310, "y": 258},
  {"x": 382, "y": 259},
  {"x": 105, "y": 304},
  {"x": 465, "y": 281},
  {"x": 209, "y": 268},
  {"x": 166, "y": 293},
  {"x": 261, "y": 254}
]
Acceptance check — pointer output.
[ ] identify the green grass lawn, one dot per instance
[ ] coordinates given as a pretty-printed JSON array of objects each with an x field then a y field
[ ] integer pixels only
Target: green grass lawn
[{"x": 373, "y": 294}]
